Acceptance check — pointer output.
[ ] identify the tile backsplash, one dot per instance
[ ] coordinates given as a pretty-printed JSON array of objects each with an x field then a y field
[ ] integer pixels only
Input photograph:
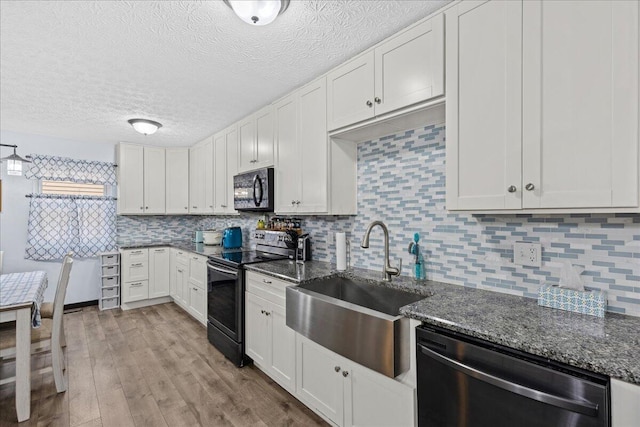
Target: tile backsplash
[{"x": 401, "y": 181}]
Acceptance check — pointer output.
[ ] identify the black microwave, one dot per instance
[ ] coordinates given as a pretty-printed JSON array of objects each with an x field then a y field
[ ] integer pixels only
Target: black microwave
[{"x": 253, "y": 191}]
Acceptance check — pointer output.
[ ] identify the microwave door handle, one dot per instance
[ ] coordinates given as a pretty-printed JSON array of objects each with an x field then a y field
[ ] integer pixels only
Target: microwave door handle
[
  {"x": 585, "y": 408},
  {"x": 257, "y": 180}
]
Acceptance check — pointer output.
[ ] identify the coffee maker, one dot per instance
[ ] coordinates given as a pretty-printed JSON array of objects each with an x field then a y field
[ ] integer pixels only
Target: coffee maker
[{"x": 303, "y": 250}]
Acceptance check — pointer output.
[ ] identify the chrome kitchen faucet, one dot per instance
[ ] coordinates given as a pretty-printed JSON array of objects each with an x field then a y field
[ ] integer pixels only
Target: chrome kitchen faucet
[{"x": 387, "y": 269}]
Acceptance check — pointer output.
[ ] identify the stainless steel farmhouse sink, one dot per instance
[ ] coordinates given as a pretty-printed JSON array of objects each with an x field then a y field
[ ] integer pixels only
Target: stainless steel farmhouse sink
[{"x": 355, "y": 319}]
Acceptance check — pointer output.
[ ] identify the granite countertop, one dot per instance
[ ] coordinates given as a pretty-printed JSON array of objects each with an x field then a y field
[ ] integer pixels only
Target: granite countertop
[
  {"x": 609, "y": 345},
  {"x": 187, "y": 245}
]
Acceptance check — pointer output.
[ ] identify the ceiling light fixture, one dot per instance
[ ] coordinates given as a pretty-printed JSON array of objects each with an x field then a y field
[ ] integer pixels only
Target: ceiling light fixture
[
  {"x": 258, "y": 12},
  {"x": 14, "y": 162},
  {"x": 144, "y": 126}
]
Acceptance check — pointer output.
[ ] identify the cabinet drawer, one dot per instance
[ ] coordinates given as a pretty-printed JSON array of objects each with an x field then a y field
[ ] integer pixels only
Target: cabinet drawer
[
  {"x": 198, "y": 270},
  {"x": 267, "y": 287},
  {"x": 110, "y": 292},
  {"x": 135, "y": 255},
  {"x": 182, "y": 257},
  {"x": 135, "y": 291},
  {"x": 109, "y": 303},
  {"x": 110, "y": 270},
  {"x": 135, "y": 271},
  {"x": 110, "y": 281},
  {"x": 110, "y": 259}
]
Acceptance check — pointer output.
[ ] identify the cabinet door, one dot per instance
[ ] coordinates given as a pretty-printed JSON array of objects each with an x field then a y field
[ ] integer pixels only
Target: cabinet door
[
  {"x": 231, "y": 138},
  {"x": 182, "y": 283},
  {"x": 484, "y": 104},
  {"x": 282, "y": 359},
  {"x": 173, "y": 280},
  {"x": 197, "y": 302},
  {"x": 177, "y": 181},
  {"x": 159, "y": 272},
  {"x": 220, "y": 173},
  {"x": 264, "y": 138},
  {"x": 247, "y": 143},
  {"x": 154, "y": 180},
  {"x": 256, "y": 330},
  {"x": 371, "y": 399},
  {"x": 410, "y": 67},
  {"x": 319, "y": 380},
  {"x": 207, "y": 165},
  {"x": 135, "y": 291},
  {"x": 625, "y": 411},
  {"x": 198, "y": 270},
  {"x": 351, "y": 92},
  {"x": 312, "y": 124},
  {"x": 288, "y": 170},
  {"x": 580, "y": 110},
  {"x": 130, "y": 179},
  {"x": 196, "y": 179}
]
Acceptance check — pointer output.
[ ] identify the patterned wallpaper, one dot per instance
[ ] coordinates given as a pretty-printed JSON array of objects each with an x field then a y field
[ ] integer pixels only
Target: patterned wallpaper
[{"x": 401, "y": 181}]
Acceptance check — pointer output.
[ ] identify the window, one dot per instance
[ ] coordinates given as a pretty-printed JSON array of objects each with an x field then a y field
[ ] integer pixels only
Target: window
[{"x": 72, "y": 188}]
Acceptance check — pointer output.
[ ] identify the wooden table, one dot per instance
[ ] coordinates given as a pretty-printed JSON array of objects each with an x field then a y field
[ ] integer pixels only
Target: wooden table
[{"x": 20, "y": 297}]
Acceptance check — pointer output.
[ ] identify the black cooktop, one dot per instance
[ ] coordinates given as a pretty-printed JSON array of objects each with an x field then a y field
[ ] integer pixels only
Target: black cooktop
[{"x": 242, "y": 256}]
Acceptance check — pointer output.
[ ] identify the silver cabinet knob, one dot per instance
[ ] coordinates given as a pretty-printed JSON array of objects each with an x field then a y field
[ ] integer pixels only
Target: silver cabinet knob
[
  {"x": 141, "y": 208},
  {"x": 293, "y": 202},
  {"x": 369, "y": 103},
  {"x": 267, "y": 313},
  {"x": 337, "y": 368},
  {"x": 262, "y": 311},
  {"x": 146, "y": 207},
  {"x": 378, "y": 100},
  {"x": 529, "y": 187},
  {"x": 297, "y": 202},
  {"x": 345, "y": 374},
  {"x": 511, "y": 189}
]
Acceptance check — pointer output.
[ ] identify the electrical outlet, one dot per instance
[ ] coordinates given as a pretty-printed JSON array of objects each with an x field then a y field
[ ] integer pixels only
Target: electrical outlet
[
  {"x": 529, "y": 254},
  {"x": 143, "y": 227}
]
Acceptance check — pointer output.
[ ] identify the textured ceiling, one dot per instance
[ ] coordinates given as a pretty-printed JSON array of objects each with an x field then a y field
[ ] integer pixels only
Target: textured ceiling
[{"x": 79, "y": 70}]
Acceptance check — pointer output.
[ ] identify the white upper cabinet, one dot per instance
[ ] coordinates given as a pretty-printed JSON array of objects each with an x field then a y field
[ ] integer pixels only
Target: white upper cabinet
[
  {"x": 483, "y": 109},
  {"x": 255, "y": 134},
  {"x": 288, "y": 170},
  {"x": 154, "y": 180},
  {"x": 130, "y": 179},
  {"x": 405, "y": 70},
  {"x": 580, "y": 104},
  {"x": 542, "y": 106},
  {"x": 201, "y": 177},
  {"x": 225, "y": 145},
  {"x": 177, "y": 181},
  {"x": 141, "y": 179}
]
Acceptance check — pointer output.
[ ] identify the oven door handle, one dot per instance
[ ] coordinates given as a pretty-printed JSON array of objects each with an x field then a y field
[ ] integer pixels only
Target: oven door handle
[
  {"x": 222, "y": 270},
  {"x": 585, "y": 408}
]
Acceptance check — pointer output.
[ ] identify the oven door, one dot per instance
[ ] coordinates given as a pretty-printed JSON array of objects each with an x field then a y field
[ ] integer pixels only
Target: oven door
[{"x": 224, "y": 299}]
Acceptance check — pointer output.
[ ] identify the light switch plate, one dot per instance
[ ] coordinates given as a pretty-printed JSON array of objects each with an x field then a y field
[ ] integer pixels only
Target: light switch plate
[{"x": 526, "y": 253}]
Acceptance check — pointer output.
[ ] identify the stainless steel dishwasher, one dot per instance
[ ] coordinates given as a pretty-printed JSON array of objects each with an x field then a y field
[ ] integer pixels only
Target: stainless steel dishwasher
[{"x": 466, "y": 382}]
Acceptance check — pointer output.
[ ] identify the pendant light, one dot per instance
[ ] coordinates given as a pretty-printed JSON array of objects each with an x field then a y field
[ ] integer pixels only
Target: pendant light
[
  {"x": 14, "y": 162},
  {"x": 258, "y": 12},
  {"x": 144, "y": 126}
]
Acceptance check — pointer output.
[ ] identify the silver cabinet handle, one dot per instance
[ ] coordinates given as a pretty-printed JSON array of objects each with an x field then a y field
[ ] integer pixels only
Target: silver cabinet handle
[
  {"x": 293, "y": 202},
  {"x": 262, "y": 311},
  {"x": 378, "y": 100},
  {"x": 186, "y": 207},
  {"x": 146, "y": 207},
  {"x": 266, "y": 313},
  {"x": 136, "y": 252},
  {"x": 297, "y": 202},
  {"x": 180, "y": 271},
  {"x": 211, "y": 206},
  {"x": 195, "y": 289},
  {"x": 223, "y": 206},
  {"x": 369, "y": 104},
  {"x": 136, "y": 284},
  {"x": 141, "y": 208},
  {"x": 345, "y": 374},
  {"x": 137, "y": 264},
  {"x": 337, "y": 368},
  {"x": 158, "y": 250},
  {"x": 529, "y": 187},
  {"x": 194, "y": 207},
  {"x": 268, "y": 282},
  {"x": 511, "y": 189}
]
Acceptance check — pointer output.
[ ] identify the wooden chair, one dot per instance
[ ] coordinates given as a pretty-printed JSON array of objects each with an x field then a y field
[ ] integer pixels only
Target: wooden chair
[{"x": 47, "y": 337}]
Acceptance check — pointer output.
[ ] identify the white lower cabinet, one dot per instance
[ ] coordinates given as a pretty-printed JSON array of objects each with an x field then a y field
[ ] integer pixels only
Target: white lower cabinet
[
  {"x": 625, "y": 404},
  {"x": 347, "y": 393},
  {"x": 268, "y": 340},
  {"x": 159, "y": 272},
  {"x": 188, "y": 278},
  {"x": 135, "y": 291}
]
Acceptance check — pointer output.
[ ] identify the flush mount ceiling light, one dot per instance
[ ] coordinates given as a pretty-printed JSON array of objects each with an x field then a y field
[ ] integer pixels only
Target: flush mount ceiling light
[
  {"x": 258, "y": 12},
  {"x": 14, "y": 162},
  {"x": 144, "y": 126}
]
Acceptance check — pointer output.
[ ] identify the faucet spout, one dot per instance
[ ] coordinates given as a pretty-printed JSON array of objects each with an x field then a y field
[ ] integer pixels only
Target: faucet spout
[{"x": 387, "y": 270}]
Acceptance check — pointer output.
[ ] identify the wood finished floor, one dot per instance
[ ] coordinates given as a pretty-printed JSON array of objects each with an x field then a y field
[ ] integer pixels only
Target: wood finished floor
[{"x": 150, "y": 367}]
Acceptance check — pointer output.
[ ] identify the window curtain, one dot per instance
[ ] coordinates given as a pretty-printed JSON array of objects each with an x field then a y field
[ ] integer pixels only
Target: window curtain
[
  {"x": 58, "y": 224},
  {"x": 53, "y": 168}
]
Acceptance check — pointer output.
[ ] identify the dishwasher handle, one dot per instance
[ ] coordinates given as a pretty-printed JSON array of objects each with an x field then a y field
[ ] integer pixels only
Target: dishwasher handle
[{"x": 587, "y": 408}]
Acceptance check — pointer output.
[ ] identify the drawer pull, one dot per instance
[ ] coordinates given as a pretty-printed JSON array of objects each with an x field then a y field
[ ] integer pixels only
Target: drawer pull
[
  {"x": 159, "y": 250},
  {"x": 137, "y": 264},
  {"x": 136, "y": 284},
  {"x": 180, "y": 271},
  {"x": 136, "y": 252},
  {"x": 268, "y": 282}
]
